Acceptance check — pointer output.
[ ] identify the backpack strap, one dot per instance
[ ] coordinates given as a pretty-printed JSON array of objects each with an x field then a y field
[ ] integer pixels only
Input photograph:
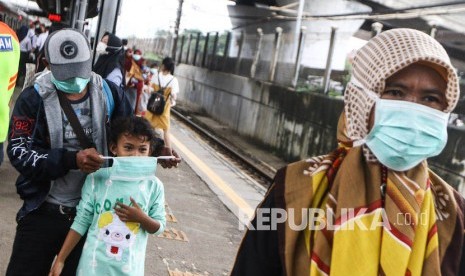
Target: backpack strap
[
  {"x": 163, "y": 88},
  {"x": 74, "y": 121},
  {"x": 109, "y": 98}
]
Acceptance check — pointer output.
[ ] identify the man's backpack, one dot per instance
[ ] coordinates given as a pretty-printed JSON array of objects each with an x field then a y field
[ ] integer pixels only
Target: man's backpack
[{"x": 157, "y": 102}]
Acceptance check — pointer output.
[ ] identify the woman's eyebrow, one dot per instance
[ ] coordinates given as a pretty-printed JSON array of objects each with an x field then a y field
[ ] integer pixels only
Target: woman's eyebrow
[
  {"x": 403, "y": 86},
  {"x": 435, "y": 91}
]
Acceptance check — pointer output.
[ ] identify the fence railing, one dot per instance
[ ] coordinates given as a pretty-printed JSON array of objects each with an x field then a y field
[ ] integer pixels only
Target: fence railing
[{"x": 271, "y": 57}]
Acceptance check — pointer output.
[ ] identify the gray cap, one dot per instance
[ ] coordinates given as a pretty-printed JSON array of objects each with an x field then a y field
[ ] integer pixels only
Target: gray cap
[{"x": 68, "y": 53}]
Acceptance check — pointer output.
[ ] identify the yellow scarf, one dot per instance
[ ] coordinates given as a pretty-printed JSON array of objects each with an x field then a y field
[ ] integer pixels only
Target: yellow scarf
[{"x": 363, "y": 237}]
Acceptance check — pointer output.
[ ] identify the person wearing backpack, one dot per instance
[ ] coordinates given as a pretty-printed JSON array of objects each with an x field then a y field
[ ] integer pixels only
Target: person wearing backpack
[
  {"x": 53, "y": 151},
  {"x": 166, "y": 84}
]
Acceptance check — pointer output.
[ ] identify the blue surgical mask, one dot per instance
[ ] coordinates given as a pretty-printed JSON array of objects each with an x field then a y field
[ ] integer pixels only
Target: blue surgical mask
[
  {"x": 406, "y": 133},
  {"x": 136, "y": 57},
  {"x": 154, "y": 71},
  {"x": 71, "y": 86}
]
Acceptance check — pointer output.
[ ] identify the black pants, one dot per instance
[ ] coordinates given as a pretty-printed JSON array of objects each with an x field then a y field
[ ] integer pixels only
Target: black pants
[
  {"x": 1, "y": 153},
  {"x": 39, "y": 237}
]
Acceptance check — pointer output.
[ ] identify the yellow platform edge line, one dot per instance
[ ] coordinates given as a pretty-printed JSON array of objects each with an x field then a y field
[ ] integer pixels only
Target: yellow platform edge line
[{"x": 215, "y": 178}]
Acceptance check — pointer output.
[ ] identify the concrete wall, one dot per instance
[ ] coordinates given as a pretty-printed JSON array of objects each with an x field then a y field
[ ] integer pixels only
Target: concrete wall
[{"x": 293, "y": 125}]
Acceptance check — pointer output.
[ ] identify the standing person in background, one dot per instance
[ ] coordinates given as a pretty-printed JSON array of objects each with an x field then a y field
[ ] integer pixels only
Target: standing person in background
[
  {"x": 9, "y": 60},
  {"x": 164, "y": 79},
  {"x": 110, "y": 65},
  {"x": 25, "y": 46},
  {"x": 135, "y": 79},
  {"x": 39, "y": 48},
  {"x": 148, "y": 89},
  {"x": 127, "y": 60},
  {"x": 381, "y": 209},
  {"x": 102, "y": 45},
  {"x": 43, "y": 34}
]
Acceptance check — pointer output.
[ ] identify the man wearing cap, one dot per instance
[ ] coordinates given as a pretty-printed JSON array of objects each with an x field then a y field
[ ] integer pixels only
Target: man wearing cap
[
  {"x": 49, "y": 154},
  {"x": 9, "y": 59}
]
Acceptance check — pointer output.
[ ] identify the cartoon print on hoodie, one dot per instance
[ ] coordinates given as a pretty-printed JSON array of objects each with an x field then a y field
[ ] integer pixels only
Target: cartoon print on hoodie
[{"x": 116, "y": 234}]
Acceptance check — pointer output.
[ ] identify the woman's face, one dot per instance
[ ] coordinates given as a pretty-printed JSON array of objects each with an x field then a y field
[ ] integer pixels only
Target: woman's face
[
  {"x": 104, "y": 39},
  {"x": 416, "y": 83},
  {"x": 419, "y": 84}
]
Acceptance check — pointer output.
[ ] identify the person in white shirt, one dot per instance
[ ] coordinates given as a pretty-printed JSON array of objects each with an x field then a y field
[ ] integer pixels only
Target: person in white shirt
[
  {"x": 169, "y": 83},
  {"x": 41, "y": 38}
]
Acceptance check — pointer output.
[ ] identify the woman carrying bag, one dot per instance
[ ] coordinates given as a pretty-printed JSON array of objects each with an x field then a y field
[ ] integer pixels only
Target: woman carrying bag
[{"x": 169, "y": 84}]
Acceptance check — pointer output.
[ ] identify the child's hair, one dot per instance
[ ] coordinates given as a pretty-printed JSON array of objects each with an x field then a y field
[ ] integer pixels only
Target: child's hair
[{"x": 138, "y": 127}]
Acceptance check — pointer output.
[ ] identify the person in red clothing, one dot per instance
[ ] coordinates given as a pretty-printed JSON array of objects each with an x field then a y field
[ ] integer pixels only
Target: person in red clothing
[
  {"x": 135, "y": 79},
  {"x": 9, "y": 60}
]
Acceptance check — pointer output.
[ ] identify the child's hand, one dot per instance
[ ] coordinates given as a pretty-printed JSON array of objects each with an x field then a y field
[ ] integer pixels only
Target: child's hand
[
  {"x": 56, "y": 268},
  {"x": 129, "y": 213}
]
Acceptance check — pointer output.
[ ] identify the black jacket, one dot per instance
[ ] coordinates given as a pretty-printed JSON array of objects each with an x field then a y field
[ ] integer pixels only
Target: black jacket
[{"x": 29, "y": 148}]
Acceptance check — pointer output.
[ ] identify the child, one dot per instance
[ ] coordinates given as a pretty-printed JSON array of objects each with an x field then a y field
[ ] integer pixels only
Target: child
[{"x": 120, "y": 205}]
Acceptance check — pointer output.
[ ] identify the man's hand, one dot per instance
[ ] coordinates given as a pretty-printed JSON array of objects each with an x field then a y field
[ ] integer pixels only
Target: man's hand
[
  {"x": 166, "y": 151},
  {"x": 129, "y": 213},
  {"x": 89, "y": 160}
]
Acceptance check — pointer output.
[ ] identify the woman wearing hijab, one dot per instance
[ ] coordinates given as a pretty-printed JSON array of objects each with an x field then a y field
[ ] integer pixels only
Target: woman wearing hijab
[
  {"x": 135, "y": 79},
  {"x": 102, "y": 44},
  {"x": 372, "y": 206},
  {"x": 110, "y": 64}
]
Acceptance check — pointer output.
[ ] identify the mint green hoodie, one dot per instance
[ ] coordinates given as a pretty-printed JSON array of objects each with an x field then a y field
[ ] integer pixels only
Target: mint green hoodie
[{"x": 113, "y": 247}]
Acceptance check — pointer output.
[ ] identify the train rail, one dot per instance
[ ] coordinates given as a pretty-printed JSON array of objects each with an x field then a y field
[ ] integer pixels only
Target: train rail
[{"x": 257, "y": 169}]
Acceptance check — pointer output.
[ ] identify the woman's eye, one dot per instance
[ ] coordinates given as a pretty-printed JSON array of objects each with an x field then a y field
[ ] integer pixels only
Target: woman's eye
[
  {"x": 432, "y": 99},
  {"x": 394, "y": 93}
]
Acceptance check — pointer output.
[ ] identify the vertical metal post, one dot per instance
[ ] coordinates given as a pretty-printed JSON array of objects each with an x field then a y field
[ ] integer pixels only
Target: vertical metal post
[
  {"x": 74, "y": 12},
  {"x": 298, "y": 58},
  {"x": 172, "y": 48},
  {"x": 328, "y": 60},
  {"x": 215, "y": 46},
  {"x": 181, "y": 48},
  {"x": 433, "y": 31},
  {"x": 196, "y": 49},
  {"x": 226, "y": 49},
  {"x": 239, "y": 52},
  {"x": 253, "y": 68},
  {"x": 82, "y": 15},
  {"x": 277, "y": 47},
  {"x": 376, "y": 29},
  {"x": 156, "y": 45},
  {"x": 298, "y": 22},
  {"x": 205, "y": 50},
  {"x": 176, "y": 28},
  {"x": 188, "y": 48}
]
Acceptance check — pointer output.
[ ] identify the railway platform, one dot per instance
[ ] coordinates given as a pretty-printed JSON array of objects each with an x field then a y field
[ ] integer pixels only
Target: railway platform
[{"x": 208, "y": 200}]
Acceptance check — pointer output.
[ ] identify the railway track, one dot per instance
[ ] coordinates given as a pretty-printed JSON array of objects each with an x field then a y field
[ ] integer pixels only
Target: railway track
[{"x": 256, "y": 169}]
